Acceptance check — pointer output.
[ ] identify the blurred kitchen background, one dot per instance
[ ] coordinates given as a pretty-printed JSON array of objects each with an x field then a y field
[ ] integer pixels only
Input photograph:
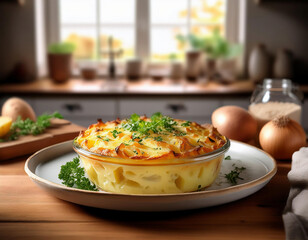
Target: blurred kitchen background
[{"x": 92, "y": 59}]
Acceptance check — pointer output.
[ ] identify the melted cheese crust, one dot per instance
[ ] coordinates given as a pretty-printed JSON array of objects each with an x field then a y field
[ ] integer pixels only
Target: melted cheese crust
[{"x": 113, "y": 140}]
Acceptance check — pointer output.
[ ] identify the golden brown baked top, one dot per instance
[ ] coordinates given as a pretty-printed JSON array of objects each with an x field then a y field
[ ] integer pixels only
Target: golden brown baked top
[{"x": 142, "y": 138}]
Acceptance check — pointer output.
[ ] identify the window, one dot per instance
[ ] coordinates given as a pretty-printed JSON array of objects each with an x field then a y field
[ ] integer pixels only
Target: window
[
  {"x": 89, "y": 24},
  {"x": 140, "y": 28},
  {"x": 170, "y": 18}
]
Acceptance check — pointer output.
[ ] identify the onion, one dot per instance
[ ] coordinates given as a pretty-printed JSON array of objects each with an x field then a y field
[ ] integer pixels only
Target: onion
[
  {"x": 235, "y": 123},
  {"x": 281, "y": 137}
]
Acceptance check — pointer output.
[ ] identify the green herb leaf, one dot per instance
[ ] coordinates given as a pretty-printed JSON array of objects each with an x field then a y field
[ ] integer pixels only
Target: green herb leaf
[
  {"x": 135, "y": 136},
  {"x": 158, "y": 139},
  {"x": 104, "y": 139},
  {"x": 115, "y": 133},
  {"x": 74, "y": 176},
  {"x": 156, "y": 116},
  {"x": 186, "y": 124},
  {"x": 180, "y": 134},
  {"x": 28, "y": 127},
  {"x": 234, "y": 175},
  {"x": 134, "y": 117},
  {"x": 158, "y": 124},
  {"x": 228, "y": 158}
]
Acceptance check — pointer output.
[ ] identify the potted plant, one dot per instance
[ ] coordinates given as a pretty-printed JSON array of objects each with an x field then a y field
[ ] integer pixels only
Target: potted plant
[
  {"x": 218, "y": 52},
  {"x": 193, "y": 55},
  {"x": 220, "y": 57},
  {"x": 59, "y": 61}
]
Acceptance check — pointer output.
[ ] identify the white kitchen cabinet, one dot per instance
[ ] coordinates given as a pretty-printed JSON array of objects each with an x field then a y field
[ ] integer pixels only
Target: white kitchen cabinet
[
  {"x": 76, "y": 106},
  {"x": 190, "y": 109},
  {"x": 79, "y": 110}
]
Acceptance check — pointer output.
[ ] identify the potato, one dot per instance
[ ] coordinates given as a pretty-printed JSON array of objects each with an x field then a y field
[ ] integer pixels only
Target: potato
[{"x": 15, "y": 107}]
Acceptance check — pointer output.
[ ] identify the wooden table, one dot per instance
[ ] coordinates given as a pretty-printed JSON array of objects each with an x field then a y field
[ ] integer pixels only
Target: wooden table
[{"x": 27, "y": 212}]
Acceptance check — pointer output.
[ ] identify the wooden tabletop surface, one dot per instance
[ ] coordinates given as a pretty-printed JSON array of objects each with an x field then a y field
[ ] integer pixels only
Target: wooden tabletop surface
[{"x": 28, "y": 212}]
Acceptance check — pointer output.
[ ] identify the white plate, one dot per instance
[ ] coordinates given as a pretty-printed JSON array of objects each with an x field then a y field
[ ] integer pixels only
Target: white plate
[{"x": 44, "y": 166}]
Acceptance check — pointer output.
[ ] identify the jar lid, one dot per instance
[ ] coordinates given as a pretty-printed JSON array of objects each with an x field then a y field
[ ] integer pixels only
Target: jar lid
[{"x": 277, "y": 84}]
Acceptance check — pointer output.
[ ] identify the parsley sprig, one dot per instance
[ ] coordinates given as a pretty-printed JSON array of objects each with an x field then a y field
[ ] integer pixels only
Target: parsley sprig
[
  {"x": 158, "y": 124},
  {"x": 234, "y": 175},
  {"x": 28, "y": 127},
  {"x": 74, "y": 176}
]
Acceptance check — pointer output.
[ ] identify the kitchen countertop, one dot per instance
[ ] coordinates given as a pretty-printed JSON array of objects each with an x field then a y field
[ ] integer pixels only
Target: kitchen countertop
[
  {"x": 124, "y": 87},
  {"x": 143, "y": 87},
  {"x": 28, "y": 212}
]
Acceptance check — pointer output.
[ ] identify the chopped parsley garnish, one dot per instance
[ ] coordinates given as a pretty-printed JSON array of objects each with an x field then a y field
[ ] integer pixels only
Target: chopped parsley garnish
[
  {"x": 105, "y": 139},
  {"x": 115, "y": 133},
  {"x": 179, "y": 134},
  {"x": 134, "y": 136},
  {"x": 228, "y": 157},
  {"x": 135, "y": 152},
  {"x": 234, "y": 175},
  {"x": 186, "y": 124},
  {"x": 158, "y": 139},
  {"x": 158, "y": 123},
  {"x": 74, "y": 176}
]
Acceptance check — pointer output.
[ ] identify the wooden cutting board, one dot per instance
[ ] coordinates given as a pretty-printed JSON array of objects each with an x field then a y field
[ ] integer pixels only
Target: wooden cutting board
[{"x": 30, "y": 144}]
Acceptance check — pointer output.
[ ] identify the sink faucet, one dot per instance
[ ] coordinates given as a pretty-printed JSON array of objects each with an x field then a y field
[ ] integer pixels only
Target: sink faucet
[{"x": 112, "y": 54}]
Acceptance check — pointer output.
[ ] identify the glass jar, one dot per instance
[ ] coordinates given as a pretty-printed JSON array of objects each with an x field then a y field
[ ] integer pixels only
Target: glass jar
[{"x": 276, "y": 97}]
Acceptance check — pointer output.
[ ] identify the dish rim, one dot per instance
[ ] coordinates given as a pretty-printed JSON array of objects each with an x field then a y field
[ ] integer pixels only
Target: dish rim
[
  {"x": 180, "y": 161},
  {"x": 229, "y": 189}
]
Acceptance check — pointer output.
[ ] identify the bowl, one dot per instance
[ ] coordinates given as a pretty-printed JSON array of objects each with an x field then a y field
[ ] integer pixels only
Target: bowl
[{"x": 131, "y": 176}]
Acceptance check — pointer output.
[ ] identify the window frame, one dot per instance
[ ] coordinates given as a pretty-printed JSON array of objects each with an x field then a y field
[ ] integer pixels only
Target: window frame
[{"x": 234, "y": 22}]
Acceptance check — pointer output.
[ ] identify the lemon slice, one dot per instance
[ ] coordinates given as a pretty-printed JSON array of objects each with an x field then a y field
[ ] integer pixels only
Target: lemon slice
[{"x": 5, "y": 124}]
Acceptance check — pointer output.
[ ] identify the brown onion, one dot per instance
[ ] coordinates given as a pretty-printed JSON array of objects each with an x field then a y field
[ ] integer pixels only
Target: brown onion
[
  {"x": 281, "y": 137},
  {"x": 235, "y": 123}
]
